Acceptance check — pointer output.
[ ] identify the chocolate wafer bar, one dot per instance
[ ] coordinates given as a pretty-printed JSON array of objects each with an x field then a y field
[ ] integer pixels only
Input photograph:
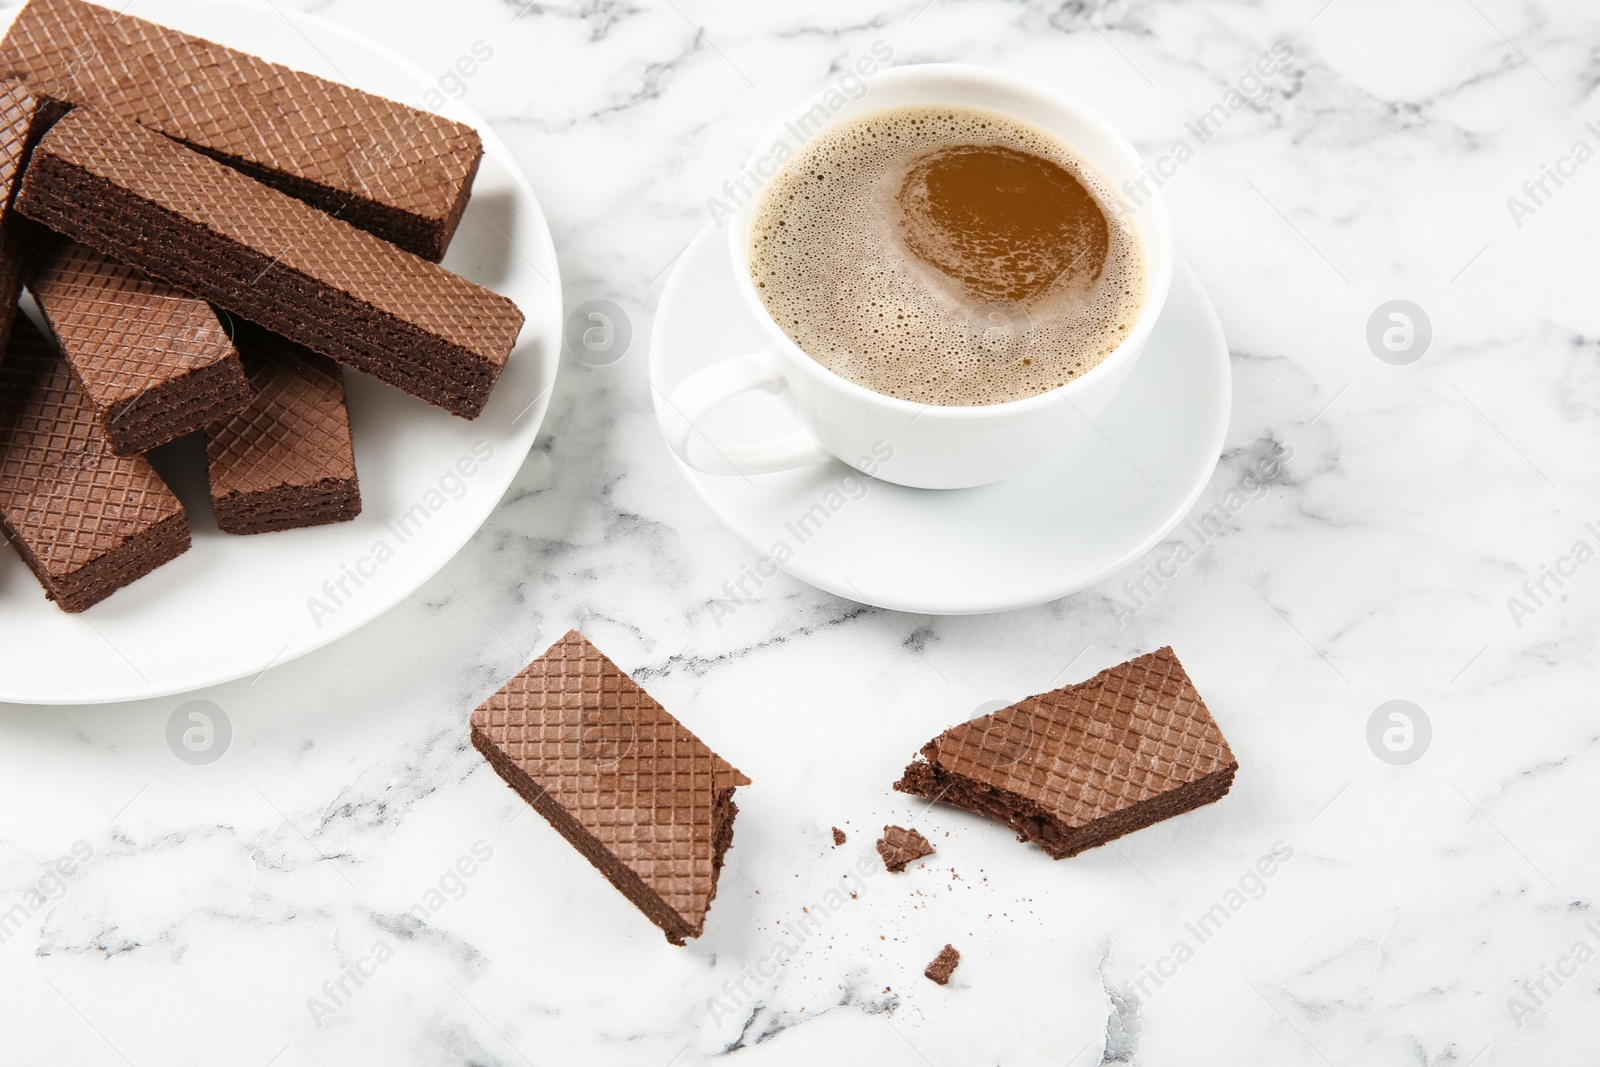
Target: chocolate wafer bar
[
  {"x": 1080, "y": 766},
  {"x": 24, "y": 116},
  {"x": 286, "y": 460},
  {"x": 640, "y": 796},
  {"x": 394, "y": 170},
  {"x": 154, "y": 361},
  {"x": 86, "y": 520},
  {"x": 343, "y": 293}
]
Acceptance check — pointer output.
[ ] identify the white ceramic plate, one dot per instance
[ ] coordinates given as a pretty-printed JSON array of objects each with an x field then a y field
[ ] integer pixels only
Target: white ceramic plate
[
  {"x": 234, "y": 606},
  {"x": 1109, "y": 496}
]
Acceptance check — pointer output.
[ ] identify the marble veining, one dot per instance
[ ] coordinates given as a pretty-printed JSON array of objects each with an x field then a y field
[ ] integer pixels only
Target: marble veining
[{"x": 351, "y": 884}]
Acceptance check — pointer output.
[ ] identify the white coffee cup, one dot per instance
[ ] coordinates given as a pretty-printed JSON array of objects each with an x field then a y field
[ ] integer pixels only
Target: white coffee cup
[{"x": 916, "y": 444}]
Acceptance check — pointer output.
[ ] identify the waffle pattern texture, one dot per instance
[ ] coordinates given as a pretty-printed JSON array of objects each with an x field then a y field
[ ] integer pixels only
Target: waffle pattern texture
[
  {"x": 86, "y": 520},
  {"x": 645, "y": 796},
  {"x": 397, "y": 171},
  {"x": 171, "y": 212},
  {"x": 23, "y": 118},
  {"x": 155, "y": 361},
  {"x": 1085, "y": 763},
  {"x": 286, "y": 460},
  {"x": 899, "y": 846},
  {"x": 18, "y": 108}
]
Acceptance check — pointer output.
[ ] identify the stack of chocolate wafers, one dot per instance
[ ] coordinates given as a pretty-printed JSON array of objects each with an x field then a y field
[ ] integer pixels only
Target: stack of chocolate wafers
[{"x": 208, "y": 237}]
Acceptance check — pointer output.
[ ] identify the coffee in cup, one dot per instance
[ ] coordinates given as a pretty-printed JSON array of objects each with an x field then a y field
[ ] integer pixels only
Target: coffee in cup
[{"x": 946, "y": 254}]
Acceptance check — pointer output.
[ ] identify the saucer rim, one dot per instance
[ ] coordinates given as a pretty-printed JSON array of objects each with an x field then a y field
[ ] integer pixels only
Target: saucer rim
[{"x": 1182, "y": 275}]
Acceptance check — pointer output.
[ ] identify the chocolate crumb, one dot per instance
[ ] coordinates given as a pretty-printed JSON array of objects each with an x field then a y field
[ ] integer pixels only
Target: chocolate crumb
[
  {"x": 899, "y": 846},
  {"x": 838, "y": 836},
  {"x": 943, "y": 964}
]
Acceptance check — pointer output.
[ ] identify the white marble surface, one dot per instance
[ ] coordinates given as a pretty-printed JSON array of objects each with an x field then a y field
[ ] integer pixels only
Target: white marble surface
[{"x": 215, "y": 901}]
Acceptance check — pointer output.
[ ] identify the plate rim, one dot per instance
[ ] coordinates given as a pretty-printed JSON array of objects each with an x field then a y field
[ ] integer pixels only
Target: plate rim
[
  {"x": 197, "y": 681},
  {"x": 1183, "y": 274}
]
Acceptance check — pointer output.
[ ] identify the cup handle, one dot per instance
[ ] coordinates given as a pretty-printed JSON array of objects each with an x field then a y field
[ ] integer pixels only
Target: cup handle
[{"x": 717, "y": 384}]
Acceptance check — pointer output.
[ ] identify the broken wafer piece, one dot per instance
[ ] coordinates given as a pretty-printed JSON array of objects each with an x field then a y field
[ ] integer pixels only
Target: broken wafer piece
[
  {"x": 943, "y": 965},
  {"x": 1077, "y": 767},
  {"x": 24, "y": 116},
  {"x": 623, "y": 781},
  {"x": 286, "y": 460},
  {"x": 270, "y": 259},
  {"x": 899, "y": 846},
  {"x": 397, "y": 171},
  {"x": 155, "y": 362},
  {"x": 86, "y": 521}
]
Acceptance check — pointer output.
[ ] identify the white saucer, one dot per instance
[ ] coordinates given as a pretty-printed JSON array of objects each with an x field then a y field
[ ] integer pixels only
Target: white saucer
[
  {"x": 1110, "y": 495},
  {"x": 235, "y": 606}
]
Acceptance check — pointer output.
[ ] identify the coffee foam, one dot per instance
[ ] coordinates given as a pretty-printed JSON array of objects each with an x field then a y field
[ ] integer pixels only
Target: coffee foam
[{"x": 834, "y": 264}]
